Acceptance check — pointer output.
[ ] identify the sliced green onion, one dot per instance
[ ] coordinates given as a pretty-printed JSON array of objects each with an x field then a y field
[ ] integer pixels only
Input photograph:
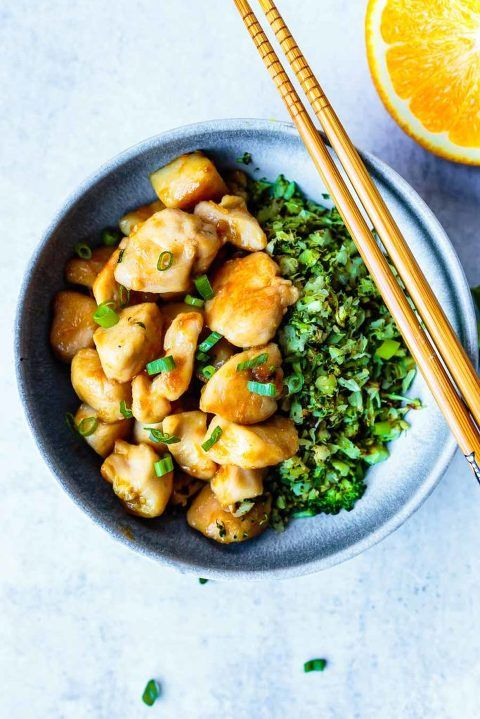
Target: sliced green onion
[
  {"x": 165, "y": 260},
  {"x": 266, "y": 389},
  {"x": 83, "y": 250},
  {"x": 204, "y": 287},
  {"x": 387, "y": 349},
  {"x": 124, "y": 410},
  {"x": 245, "y": 159},
  {"x": 123, "y": 296},
  {"x": 255, "y": 362},
  {"x": 105, "y": 315},
  {"x": 151, "y": 693},
  {"x": 163, "y": 466},
  {"x": 162, "y": 437},
  {"x": 120, "y": 256},
  {"x": 87, "y": 426},
  {"x": 213, "y": 439},
  {"x": 110, "y": 237},
  {"x": 208, "y": 371},
  {"x": 201, "y": 356},
  {"x": 202, "y": 580},
  {"x": 304, "y": 513},
  {"x": 209, "y": 342},
  {"x": 315, "y": 665},
  {"x": 193, "y": 301},
  {"x": 163, "y": 364},
  {"x": 70, "y": 422}
]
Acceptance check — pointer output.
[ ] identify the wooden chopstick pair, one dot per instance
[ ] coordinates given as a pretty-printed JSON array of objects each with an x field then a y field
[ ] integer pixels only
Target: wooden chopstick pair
[{"x": 440, "y": 349}]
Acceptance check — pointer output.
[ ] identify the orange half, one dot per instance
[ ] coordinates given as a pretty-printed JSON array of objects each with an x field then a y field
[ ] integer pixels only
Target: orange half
[{"x": 424, "y": 57}]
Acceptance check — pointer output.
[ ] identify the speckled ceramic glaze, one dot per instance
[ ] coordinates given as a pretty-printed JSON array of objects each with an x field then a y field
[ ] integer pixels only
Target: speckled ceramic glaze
[{"x": 396, "y": 487}]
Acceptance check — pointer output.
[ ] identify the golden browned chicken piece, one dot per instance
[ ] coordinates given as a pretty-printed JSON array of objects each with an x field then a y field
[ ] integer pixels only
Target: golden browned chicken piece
[
  {"x": 180, "y": 242},
  {"x": 72, "y": 326},
  {"x": 190, "y": 427},
  {"x": 151, "y": 398},
  {"x": 83, "y": 272},
  {"x": 255, "y": 446},
  {"x": 187, "y": 180},
  {"x": 250, "y": 300},
  {"x": 103, "y": 439},
  {"x": 142, "y": 435},
  {"x": 129, "y": 221},
  {"x": 105, "y": 288},
  {"x": 207, "y": 516},
  {"x": 233, "y": 222},
  {"x": 130, "y": 470},
  {"x": 95, "y": 389},
  {"x": 226, "y": 392},
  {"x": 233, "y": 484},
  {"x": 128, "y": 346}
]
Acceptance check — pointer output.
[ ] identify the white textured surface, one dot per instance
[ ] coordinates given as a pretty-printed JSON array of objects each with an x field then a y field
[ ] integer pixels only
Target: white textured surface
[{"x": 84, "y": 623}]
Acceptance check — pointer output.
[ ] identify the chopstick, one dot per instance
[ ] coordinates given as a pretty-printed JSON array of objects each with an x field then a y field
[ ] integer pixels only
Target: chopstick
[
  {"x": 419, "y": 344},
  {"x": 422, "y": 294}
]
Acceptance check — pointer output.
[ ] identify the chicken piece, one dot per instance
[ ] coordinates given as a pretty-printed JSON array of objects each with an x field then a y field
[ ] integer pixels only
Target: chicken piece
[
  {"x": 130, "y": 469},
  {"x": 171, "y": 310},
  {"x": 184, "y": 488},
  {"x": 141, "y": 435},
  {"x": 148, "y": 405},
  {"x": 234, "y": 222},
  {"x": 84, "y": 272},
  {"x": 95, "y": 389},
  {"x": 105, "y": 288},
  {"x": 207, "y": 516},
  {"x": 128, "y": 222},
  {"x": 73, "y": 325},
  {"x": 128, "y": 346},
  {"x": 180, "y": 343},
  {"x": 188, "y": 243},
  {"x": 226, "y": 392},
  {"x": 237, "y": 182},
  {"x": 187, "y": 180},
  {"x": 255, "y": 446},
  {"x": 190, "y": 427},
  {"x": 103, "y": 439},
  {"x": 250, "y": 300},
  {"x": 233, "y": 484}
]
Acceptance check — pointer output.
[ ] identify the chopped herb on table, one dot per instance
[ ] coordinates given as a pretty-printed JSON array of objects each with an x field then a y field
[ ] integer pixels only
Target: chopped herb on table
[
  {"x": 346, "y": 367},
  {"x": 245, "y": 159},
  {"x": 315, "y": 665},
  {"x": 151, "y": 693},
  {"x": 202, "y": 580}
]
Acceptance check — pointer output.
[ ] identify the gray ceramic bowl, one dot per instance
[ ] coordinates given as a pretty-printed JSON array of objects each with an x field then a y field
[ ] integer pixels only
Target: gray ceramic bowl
[{"x": 396, "y": 488}]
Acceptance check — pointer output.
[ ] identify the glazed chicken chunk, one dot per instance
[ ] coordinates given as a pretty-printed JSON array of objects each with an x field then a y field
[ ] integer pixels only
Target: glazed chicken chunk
[
  {"x": 73, "y": 326},
  {"x": 136, "y": 339},
  {"x": 162, "y": 252},
  {"x": 208, "y": 517},
  {"x": 131, "y": 471},
  {"x": 128, "y": 222},
  {"x": 187, "y": 180},
  {"x": 103, "y": 438},
  {"x": 234, "y": 222},
  {"x": 226, "y": 393},
  {"x": 250, "y": 300},
  {"x": 190, "y": 428},
  {"x": 95, "y": 389},
  {"x": 255, "y": 446},
  {"x": 84, "y": 272},
  {"x": 233, "y": 484},
  {"x": 105, "y": 288}
]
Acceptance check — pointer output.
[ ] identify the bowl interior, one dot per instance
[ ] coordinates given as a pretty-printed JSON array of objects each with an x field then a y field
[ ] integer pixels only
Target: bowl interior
[{"x": 395, "y": 488}]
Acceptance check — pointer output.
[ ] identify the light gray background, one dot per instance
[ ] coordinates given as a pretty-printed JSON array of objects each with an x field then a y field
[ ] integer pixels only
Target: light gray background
[{"x": 84, "y": 623}]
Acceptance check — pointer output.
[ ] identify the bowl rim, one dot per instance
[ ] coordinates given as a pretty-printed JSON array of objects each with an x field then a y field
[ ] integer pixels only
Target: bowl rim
[{"x": 410, "y": 199}]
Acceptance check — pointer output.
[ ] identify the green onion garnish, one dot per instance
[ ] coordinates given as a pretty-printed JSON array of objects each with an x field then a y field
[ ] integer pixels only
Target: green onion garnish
[
  {"x": 105, "y": 315},
  {"x": 213, "y": 439},
  {"x": 387, "y": 349},
  {"x": 254, "y": 362},
  {"x": 124, "y": 410},
  {"x": 165, "y": 260},
  {"x": 87, "y": 426},
  {"x": 245, "y": 159},
  {"x": 204, "y": 287},
  {"x": 123, "y": 296},
  {"x": 163, "y": 364},
  {"x": 202, "y": 580},
  {"x": 163, "y": 466},
  {"x": 193, "y": 301},
  {"x": 208, "y": 371},
  {"x": 151, "y": 693},
  {"x": 266, "y": 389},
  {"x": 110, "y": 237},
  {"x": 162, "y": 437},
  {"x": 120, "y": 256},
  {"x": 209, "y": 342},
  {"x": 202, "y": 356},
  {"x": 70, "y": 422},
  {"x": 315, "y": 665},
  {"x": 83, "y": 250}
]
